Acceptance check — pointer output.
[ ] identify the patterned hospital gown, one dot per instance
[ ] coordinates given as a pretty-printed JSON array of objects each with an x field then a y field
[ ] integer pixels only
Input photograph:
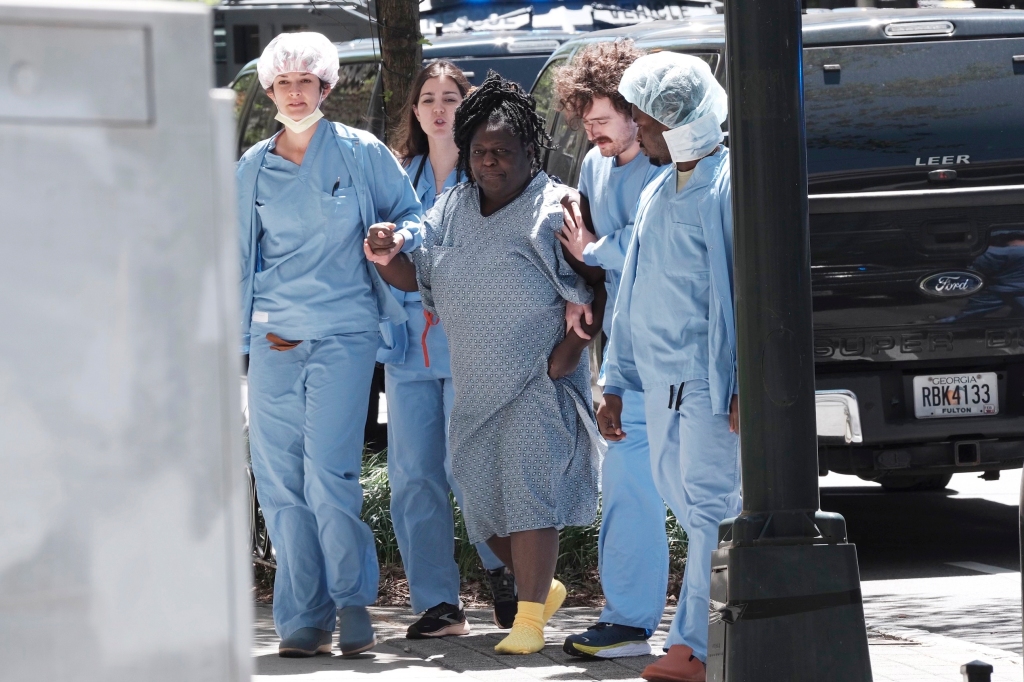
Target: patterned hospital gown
[{"x": 524, "y": 448}]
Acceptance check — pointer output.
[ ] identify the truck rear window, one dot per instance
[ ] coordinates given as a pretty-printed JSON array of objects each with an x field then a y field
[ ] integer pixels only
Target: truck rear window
[
  {"x": 521, "y": 69},
  {"x": 914, "y": 105}
]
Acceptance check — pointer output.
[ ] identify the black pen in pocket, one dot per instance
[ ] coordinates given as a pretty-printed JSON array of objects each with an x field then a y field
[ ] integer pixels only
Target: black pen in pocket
[{"x": 337, "y": 184}]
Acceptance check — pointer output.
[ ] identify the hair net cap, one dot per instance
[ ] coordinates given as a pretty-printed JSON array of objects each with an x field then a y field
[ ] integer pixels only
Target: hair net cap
[
  {"x": 299, "y": 53},
  {"x": 674, "y": 88}
]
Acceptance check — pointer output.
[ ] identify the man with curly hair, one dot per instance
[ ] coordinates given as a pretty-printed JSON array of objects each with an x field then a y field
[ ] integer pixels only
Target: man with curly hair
[{"x": 632, "y": 547}]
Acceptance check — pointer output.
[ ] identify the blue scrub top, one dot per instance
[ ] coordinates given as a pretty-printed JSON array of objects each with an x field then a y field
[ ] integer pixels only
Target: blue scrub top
[
  {"x": 311, "y": 281},
  {"x": 303, "y": 274},
  {"x": 613, "y": 192},
  {"x": 680, "y": 259}
]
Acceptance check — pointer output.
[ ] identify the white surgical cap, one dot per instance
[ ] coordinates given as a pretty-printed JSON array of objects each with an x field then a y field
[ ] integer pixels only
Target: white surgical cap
[
  {"x": 673, "y": 88},
  {"x": 299, "y": 53}
]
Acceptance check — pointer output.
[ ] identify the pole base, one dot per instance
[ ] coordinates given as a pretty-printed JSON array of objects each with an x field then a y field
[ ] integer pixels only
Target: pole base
[{"x": 787, "y": 612}]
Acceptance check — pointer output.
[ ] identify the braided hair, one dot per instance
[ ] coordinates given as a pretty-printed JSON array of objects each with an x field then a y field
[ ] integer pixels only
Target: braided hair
[{"x": 499, "y": 101}]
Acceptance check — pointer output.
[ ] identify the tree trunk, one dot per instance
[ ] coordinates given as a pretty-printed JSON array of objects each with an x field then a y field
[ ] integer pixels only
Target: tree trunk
[{"x": 401, "y": 55}]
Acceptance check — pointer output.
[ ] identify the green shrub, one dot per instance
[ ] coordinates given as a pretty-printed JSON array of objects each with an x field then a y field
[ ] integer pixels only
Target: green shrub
[{"x": 377, "y": 506}]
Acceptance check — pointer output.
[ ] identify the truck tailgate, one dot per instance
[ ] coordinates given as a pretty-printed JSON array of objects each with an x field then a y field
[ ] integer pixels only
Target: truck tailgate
[{"x": 918, "y": 275}]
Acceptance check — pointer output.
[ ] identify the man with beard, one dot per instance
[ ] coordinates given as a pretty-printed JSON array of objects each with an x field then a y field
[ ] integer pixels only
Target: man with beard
[
  {"x": 674, "y": 335},
  {"x": 632, "y": 547}
]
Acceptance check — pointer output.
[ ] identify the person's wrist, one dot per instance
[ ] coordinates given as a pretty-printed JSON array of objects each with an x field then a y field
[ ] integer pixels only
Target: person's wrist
[{"x": 406, "y": 239}]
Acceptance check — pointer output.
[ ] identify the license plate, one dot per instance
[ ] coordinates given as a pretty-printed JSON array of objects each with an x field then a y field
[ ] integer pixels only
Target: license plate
[{"x": 956, "y": 395}]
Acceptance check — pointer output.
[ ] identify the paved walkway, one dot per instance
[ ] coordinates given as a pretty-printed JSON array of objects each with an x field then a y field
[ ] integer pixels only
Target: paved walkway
[{"x": 898, "y": 654}]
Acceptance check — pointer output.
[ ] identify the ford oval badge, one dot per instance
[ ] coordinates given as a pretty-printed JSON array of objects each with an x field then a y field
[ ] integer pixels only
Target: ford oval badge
[{"x": 952, "y": 284}]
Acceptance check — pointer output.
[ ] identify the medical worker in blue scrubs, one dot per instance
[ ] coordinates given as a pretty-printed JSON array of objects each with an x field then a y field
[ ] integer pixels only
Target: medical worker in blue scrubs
[
  {"x": 418, "y": 385},
  {"x": 673, "y": 332},
  {"x": 311, "y": 305},
  {"x": 632, "y": 546}
]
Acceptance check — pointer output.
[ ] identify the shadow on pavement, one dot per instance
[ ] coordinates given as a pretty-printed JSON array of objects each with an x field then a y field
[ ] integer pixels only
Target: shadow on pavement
[
  {"x": 381, "y": 660},
  {"x": 475, "y": 652},
  {"x": 916, "y": 534},
  {"x": 980, "y": 609}
]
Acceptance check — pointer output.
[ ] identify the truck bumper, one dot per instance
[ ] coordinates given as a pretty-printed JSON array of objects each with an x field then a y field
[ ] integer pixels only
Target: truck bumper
[{"x": 867, "y": 427}]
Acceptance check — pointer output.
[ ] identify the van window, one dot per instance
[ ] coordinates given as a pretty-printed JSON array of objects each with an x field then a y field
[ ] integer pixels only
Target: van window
[
  {"x": 241, "y": 87},
  {"x": 954, "y": 103},
  {"x": 349, "y": 102},
  {"x": 564, "y": 160},
  {"x": 544, "y": 93},
  {"x": 260, "y": 123},
  {"x": 544, "y": 90}
]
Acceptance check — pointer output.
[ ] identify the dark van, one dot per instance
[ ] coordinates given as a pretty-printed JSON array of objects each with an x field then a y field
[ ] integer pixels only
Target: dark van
[{"x": 915, "y": 152}]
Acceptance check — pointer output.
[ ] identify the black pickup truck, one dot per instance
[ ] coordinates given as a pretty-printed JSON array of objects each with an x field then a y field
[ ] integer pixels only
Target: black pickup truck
[{"x": 915, "y": 151}]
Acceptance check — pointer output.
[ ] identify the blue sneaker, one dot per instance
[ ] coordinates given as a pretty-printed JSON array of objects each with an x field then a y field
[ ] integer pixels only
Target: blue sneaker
[
  {"x": 608, "y": 640},
  {"x": 305, "y": 642},
  {"x": 355, "y": 634}
]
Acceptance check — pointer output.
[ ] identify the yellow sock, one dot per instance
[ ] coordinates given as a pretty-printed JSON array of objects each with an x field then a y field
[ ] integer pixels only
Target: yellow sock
[
  {"x": 527, "y": 635},
  {"x": 556, "y": 595}
]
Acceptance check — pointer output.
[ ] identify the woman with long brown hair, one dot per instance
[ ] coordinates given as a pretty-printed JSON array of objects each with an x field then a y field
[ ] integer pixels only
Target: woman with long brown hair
[{"x": 418, "y": 386}]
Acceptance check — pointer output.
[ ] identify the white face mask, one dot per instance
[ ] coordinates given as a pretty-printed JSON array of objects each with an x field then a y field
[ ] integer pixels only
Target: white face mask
[
  {"x": 303, "y": 124},
  {"x": 694, "y": 140}
]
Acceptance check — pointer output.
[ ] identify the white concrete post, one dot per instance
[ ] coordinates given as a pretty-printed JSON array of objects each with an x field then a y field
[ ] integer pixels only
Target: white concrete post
[{"x": 122, "y": 532}]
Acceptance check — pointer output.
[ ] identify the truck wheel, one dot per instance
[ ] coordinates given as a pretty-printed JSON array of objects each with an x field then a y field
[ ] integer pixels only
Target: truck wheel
[{"x": 908, "y": 483}]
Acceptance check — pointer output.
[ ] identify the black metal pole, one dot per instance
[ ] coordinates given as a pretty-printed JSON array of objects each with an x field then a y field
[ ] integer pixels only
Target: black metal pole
[
  {"x": 785, "y": 586},
  {"x": 772, "y": 256}
]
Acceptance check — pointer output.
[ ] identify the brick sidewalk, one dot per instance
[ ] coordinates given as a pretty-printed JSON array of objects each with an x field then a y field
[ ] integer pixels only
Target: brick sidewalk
[{"x": 897, "y": 655}]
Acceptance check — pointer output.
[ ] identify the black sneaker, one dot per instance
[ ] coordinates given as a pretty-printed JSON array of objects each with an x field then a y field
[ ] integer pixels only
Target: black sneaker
[
  {"x": 506, "y": 599},
  {"x": 439, "y": 621},
  {"x": 607, "y": 640}
]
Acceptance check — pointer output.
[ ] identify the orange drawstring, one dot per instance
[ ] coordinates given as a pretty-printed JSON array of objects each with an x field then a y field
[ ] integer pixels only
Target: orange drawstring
[{"x": 432, "y": 320}]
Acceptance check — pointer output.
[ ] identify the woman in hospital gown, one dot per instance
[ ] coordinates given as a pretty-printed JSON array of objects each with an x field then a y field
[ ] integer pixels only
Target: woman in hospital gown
[{"x": 522, "y": 434}]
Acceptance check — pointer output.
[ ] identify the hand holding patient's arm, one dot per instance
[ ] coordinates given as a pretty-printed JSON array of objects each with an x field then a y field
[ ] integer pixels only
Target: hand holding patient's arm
[
  {"x": 396, "y": 269},
  {"x": 565, "y": 357}
]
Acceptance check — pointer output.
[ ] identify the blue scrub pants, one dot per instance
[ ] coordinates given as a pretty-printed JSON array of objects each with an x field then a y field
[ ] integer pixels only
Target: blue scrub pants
[
  {"x": 632, "y": 547},
  {"x": 419, "y": 467},
  {"x": 696, "y": 464},
  {"x": 307, "y": 413}
]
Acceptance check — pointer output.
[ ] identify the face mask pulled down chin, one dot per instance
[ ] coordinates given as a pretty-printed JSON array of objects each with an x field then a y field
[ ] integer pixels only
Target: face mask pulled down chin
[
  {"x": 302, "y": 124},
  {"x": 694, "y": 140}
]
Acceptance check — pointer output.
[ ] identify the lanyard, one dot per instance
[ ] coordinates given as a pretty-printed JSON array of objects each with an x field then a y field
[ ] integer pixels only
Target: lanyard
[{"x": 432, "y": 321}]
